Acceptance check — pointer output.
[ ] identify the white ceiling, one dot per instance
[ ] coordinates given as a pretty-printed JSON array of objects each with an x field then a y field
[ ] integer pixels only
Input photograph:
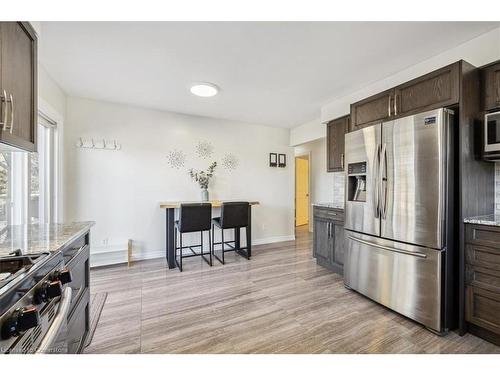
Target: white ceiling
[{"x": 272, "y": 73}]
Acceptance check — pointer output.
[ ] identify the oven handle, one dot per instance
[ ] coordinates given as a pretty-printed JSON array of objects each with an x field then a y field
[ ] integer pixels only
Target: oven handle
[
  {"x": 56, "y": 325},
  {"x": 393, "y": 249}
]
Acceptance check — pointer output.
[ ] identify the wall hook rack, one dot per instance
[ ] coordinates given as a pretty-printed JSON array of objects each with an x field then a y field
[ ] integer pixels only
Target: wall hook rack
[{"x": 101, "y": 144}]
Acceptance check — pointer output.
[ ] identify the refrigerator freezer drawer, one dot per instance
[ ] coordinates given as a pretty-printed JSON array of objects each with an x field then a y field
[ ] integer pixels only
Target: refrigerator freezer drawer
[{"x": 403, "y": 277}]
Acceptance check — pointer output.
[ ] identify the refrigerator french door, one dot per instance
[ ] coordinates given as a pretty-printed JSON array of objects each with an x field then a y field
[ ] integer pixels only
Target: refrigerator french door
[{"x": 397, "y": 226}]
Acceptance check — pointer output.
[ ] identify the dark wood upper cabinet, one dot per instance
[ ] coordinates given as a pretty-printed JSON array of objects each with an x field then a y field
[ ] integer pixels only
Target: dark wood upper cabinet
[
  {"x": 434, "y": 90},
  {"x": 440, "y": 88},
  {"x": 490, "y": 79},
  {"x": 335, "y": 139},
  {"x": 374, "y": 109},
  {"x": 18, "y": 85}
]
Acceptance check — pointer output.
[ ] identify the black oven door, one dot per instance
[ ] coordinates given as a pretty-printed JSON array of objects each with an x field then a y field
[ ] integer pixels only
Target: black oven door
[{"x": 55, "y": 339}]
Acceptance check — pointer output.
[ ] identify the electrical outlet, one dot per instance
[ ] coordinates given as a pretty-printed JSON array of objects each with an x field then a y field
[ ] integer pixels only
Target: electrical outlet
[{"x": 105, "y": 241}]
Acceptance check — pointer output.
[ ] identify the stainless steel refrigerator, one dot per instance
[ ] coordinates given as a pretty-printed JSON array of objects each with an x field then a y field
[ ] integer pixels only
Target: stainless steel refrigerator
[{"x": 397, "y": 218}]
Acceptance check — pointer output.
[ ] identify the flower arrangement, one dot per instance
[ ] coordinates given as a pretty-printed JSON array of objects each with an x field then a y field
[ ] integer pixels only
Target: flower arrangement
[{"x": 203, "y": 177}]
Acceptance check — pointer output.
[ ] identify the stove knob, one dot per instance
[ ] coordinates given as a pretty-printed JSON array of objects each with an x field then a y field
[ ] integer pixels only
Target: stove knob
[
  {"x": 54, "y": 289},
  {"x": 64, "y": 276},
  {"x": 21, "y": 320},
  {"x": 48, "y": 290}
]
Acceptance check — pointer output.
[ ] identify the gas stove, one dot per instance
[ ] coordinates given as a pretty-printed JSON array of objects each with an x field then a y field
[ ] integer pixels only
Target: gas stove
[
  {"x": 32, "y": 293},
  {"x": 15, "y": 265}
]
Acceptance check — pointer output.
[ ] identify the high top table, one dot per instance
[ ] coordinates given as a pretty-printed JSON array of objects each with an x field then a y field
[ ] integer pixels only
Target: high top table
[{"x": 170, "y": 208}]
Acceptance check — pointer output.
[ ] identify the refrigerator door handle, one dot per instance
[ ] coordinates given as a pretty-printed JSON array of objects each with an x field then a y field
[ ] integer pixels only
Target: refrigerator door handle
[
  {"x": 393, "y": 249},
  {"x": 376, "y": 183},
  {"x": 383, "y": 181}
]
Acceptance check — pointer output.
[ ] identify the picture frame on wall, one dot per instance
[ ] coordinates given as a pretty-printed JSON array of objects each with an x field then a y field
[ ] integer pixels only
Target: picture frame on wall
[
  {"x": 282, "y": 160},
  {"x": 273, "y": 159}
]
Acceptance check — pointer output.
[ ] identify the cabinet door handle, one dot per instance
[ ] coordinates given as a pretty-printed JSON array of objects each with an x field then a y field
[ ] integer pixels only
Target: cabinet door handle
[
  {"x": 498, "y": 93},
  {"x": 329, "y": 229},
  {"x": 342, "y": 160},
  {"x": 395, "y": 104},
  {"x": 389, "y": 106},
  {"x": 4, "y": 99},
  {"x": 11, "y": 113}
]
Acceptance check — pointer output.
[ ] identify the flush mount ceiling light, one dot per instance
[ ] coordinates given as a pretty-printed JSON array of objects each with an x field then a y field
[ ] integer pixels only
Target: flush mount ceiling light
[{"x": 204, "y": 89}]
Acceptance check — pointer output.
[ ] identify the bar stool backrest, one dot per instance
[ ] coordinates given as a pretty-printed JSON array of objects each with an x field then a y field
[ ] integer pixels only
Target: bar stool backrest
[
  {"x": 234, "y": 214},
  {"x": 195, "y": 217}
]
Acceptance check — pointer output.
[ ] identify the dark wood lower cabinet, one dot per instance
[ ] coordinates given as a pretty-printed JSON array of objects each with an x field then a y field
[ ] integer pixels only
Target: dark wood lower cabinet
[
  {"x": 482, "y": 281},
  {"x": 328, "y": 238}
]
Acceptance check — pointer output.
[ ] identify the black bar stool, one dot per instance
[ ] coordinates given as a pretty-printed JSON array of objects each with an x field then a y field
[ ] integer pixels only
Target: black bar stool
[
  {"x": 233, "y": 215},
  {"x": 193, "y": 217}
]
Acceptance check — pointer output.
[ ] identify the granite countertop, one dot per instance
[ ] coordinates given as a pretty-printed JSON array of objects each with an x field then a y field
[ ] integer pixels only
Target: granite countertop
[
  {"x": 338, "y": 206},
  {"x": 36, "y": 238},
  {"x": 492, "y": 219}
]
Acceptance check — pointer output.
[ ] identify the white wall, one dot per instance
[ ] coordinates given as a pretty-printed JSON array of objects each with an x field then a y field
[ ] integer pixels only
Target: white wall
[
  {"x": 309, "y": 131},
  {"x": 50, "y": 92},
  {"x": 52, "y": 103},
  {"x": 324, "y": 187},
  {"x": 121, "y": 190},
  {"x": 321, "y": 181},
  {"x": 52, "y": 96},
  {"x": 478, "y": 51}
]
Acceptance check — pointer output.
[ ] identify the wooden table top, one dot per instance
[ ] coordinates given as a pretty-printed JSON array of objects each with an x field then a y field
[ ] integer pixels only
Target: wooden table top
[{"x": 215, "y": 203}]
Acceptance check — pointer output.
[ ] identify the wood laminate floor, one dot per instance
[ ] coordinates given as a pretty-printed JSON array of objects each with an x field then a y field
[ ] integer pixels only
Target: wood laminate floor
[{"x": 278, "y": 302}]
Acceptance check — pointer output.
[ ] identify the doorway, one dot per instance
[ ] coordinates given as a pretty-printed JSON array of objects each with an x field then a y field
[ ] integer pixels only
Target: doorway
[{"x": 302, "y": 192}]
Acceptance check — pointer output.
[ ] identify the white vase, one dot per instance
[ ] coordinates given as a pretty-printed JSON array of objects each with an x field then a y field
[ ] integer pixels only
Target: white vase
[{"x": 204, "y": 195}]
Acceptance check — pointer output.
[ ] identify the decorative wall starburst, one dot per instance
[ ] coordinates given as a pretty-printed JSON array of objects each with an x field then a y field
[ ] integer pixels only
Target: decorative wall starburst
[
  {"x": 204, "y": 149},
  {"x": 229, "y": 162},
  {"x": 176, "y": 159}
]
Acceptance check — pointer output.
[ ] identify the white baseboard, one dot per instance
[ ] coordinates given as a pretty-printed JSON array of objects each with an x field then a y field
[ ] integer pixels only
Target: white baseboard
[
  {"x": 115, "y": 254},
  {"x": 267, "y": 240}
]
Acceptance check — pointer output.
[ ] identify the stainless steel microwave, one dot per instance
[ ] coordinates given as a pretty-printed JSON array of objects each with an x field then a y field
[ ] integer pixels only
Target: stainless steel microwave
[{"x": 492, "y": 132}]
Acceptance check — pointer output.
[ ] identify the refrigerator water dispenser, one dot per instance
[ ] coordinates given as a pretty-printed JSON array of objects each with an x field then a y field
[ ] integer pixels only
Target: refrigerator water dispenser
[{"x": 356, "y": 182}]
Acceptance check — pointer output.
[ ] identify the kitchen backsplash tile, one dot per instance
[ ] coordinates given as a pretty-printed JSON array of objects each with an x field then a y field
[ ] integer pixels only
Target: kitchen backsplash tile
[
  {"x": 497, "y": 188},
  {"x": 339, "y": 188}
]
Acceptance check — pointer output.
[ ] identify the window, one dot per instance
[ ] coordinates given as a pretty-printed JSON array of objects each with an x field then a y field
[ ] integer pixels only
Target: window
[
  {"x": 34, "y": 190},
  {"x": 43, "y": 174},
  {"x": 28, "y": 180},
  {"x": 5, "y": 188}
]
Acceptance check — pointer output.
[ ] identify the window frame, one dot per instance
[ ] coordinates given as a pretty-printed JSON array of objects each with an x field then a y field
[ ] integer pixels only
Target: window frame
[{"x": 19, "y": 199}]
